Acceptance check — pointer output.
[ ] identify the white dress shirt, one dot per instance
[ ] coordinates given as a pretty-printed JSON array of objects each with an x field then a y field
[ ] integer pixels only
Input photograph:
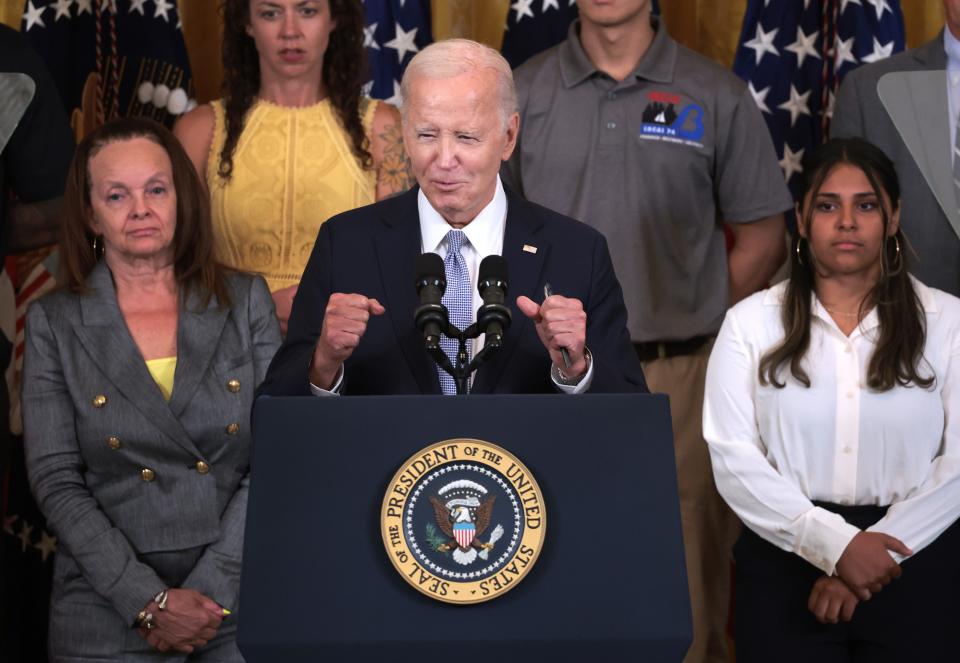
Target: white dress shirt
[
  {"x": 775, "y": 450},
  {"x": 484, "y": 237},
  {"x": 952, "y": 47}
]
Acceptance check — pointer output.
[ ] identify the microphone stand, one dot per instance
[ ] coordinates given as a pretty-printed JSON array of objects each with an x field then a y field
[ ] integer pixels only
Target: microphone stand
[{"x": 462, "y": 370}]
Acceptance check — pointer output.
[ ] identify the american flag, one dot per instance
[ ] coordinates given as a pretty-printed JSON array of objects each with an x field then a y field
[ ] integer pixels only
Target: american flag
[
  {"x": 113, "y": 58},
  {"x": 536, "y": 25},
  {"x": 795, "y": 53},
  {"x": 395, "y": 31}
]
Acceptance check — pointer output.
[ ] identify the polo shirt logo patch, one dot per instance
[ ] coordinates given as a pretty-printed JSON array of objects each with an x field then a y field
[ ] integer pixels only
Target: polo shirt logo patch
[{"x": 662, "y": 122}]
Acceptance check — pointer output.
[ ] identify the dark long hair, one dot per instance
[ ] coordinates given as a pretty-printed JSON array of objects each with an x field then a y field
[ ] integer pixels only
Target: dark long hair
[
  {"x": 344, "y": 72},
  {"x": 899, "y": 348},
  {"x": 195, "y": 269}
]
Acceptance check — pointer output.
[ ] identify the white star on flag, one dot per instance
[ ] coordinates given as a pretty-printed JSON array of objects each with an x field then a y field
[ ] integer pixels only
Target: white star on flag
[
  {"x": 108, "y": 6},
  {"x": 522, "y": 7},
  {"x": 403, "y": 42},
  {"x": 550, "y": 4},
  {"x": 25, "y": 529},
  {"x": 844, "y": 3},
  {"x": 369, "y": 40},
  {"x": 881, "y": 6},
  {"x": 163, "y": 6},
  {"x": 84, "y": 6},
  {"x": 804, "y": 45},
  {"x": 63, "y": 9},
  {"x": 47, "y": 545},
  {"x": 844, "y": 52},
  {"x": 763, "y": 43},
  {"x": 33, "y": 16},
  {"x": 797, "y": 104},
  {"x": 790, "y": 163},
  {"x": 880, "y": 52},
  {"x": 397, "y": 98},
  {"x": 760, "y": 97},
  {"x": 831, "y": 102},
  {"x": 137, "y": 6}
]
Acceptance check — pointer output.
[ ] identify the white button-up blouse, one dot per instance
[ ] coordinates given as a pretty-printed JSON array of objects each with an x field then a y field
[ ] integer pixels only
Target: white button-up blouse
[{"x": 774, "y": 451}]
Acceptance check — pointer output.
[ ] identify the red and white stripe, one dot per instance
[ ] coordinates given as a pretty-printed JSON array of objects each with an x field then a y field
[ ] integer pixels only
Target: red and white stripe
[
  {"x": 39, "y": 281},
  {"x": 464, "y": 535}
]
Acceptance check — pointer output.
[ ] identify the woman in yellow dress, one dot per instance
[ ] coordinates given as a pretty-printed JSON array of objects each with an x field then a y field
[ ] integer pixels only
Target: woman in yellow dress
[{"x": 293, "y": 141}]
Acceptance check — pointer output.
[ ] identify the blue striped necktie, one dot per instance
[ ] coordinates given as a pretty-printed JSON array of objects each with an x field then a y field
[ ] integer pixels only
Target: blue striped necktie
[{"x": 458, "y": 300}]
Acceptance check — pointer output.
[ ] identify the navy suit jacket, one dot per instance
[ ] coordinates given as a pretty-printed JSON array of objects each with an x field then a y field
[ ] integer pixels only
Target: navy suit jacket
[
  {"x": 860, "y": 112},
  {"x": 371, "y": 251}
]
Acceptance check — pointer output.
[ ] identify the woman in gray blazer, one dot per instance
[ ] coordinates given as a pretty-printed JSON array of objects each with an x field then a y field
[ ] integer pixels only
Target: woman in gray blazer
[{"x": 138, "y": 381}]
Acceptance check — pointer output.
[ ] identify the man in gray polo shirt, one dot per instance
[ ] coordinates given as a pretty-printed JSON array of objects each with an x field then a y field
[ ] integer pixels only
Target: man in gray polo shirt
[{"x": 658, "y": 147}]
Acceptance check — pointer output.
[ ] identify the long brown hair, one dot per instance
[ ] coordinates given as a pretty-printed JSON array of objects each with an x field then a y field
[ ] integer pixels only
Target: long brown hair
[
  {"x": 194, "y": 266},
  {"x": 899, "y": 349},
  {"x": 344, "y": 72}
]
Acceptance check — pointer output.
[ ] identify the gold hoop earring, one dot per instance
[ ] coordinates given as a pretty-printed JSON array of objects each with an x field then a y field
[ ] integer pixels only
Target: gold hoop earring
[
  {"x": 97, "y": 247},
  {"x": 897, "y": 258},
  {"x": 799, "y": 255}
]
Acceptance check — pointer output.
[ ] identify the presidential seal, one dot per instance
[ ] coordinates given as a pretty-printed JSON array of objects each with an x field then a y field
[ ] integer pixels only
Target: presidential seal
[{"x": 463, "y": 521}]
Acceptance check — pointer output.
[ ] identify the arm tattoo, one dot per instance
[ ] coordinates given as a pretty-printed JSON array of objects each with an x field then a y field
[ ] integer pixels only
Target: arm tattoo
[{"x": 394, "y": 171}]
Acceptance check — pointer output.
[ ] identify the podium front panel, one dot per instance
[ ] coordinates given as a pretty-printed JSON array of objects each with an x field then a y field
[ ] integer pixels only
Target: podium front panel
[{"x": 609, "y": 583}]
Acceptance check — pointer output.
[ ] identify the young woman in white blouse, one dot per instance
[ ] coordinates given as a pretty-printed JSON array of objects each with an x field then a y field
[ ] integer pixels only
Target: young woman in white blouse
[{"x": 831, "y": 413}]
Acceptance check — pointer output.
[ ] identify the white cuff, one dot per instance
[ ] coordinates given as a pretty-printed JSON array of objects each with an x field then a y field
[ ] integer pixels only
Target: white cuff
[
  {"x": 333, "y": 391},
  {"x": 582, "y": 385},
  {"x": 824, "y": 536}
]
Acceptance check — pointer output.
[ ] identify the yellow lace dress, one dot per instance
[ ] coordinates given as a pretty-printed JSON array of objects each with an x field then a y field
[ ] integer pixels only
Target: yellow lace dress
[{"x": 293, "y": 168}]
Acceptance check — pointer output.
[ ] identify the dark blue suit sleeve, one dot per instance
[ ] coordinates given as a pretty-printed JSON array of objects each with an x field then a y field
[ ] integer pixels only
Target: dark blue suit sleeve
[
  {"x": 37, "y": 157},
  {"x": 615, "y": 364},
  {"x": 288, "y": 374}
]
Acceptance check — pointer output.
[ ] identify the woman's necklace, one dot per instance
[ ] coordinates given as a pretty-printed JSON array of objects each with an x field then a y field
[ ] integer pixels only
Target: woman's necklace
[{"x": 844, "y": 314}]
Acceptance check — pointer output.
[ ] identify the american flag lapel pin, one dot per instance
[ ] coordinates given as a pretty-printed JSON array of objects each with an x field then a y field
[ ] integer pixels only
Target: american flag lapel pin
[{"x": 529, "y": 249}]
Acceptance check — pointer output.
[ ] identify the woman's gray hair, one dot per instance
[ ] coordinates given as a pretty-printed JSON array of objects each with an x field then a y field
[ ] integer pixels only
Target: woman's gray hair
[{"x": 452, "y": 57}]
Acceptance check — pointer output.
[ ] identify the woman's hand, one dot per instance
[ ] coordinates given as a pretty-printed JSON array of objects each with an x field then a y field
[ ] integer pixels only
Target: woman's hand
[
  {"x": 866, "y": 565},
  {"x": 189, "y": 621},
  {"x": 831, "y": 600},
  {"x": 283, "y": 302}
]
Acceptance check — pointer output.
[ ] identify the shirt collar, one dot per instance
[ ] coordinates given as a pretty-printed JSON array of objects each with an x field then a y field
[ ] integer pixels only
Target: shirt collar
[
  {"x": 952, "y": 47},
  {"x": 485, "y": 232},
  {"x": 925, "y": 295},
  {"x": 870, "y": 321},
  {"x": 656, "y": 64},
  {"x": 774, "y": 297}
]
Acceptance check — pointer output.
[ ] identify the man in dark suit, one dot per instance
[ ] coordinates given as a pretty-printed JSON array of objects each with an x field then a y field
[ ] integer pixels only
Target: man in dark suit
[
  {"x": 352, "y": 328},
  {"x": 36, "y": 145},
  {"x": 907, "y": 105}
]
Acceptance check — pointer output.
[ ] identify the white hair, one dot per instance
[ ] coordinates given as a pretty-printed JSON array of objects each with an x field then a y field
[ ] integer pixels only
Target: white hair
[{"x": 453, "y": 57}]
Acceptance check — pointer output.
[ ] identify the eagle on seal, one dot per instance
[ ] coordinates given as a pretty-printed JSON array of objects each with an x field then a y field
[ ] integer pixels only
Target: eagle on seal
[{"x": 463, "y": 527}]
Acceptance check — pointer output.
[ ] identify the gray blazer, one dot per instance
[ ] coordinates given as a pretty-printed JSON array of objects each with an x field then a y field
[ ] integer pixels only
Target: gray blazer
[
  {"x": 119, "y": 480},
  {"x": 859, "y": 111}
]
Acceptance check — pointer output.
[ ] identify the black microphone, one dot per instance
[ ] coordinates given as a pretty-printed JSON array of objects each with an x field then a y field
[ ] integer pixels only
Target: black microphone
[
  {"x": 431, "y": 316},
  {"x": 492, "y": 282}
]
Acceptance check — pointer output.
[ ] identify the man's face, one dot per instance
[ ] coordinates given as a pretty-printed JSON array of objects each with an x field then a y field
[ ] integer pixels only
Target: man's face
[
  {"x": 951, "y": 11},
  {"x": 612, "y": 13},
  {"x": 455, "y": 137}
]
